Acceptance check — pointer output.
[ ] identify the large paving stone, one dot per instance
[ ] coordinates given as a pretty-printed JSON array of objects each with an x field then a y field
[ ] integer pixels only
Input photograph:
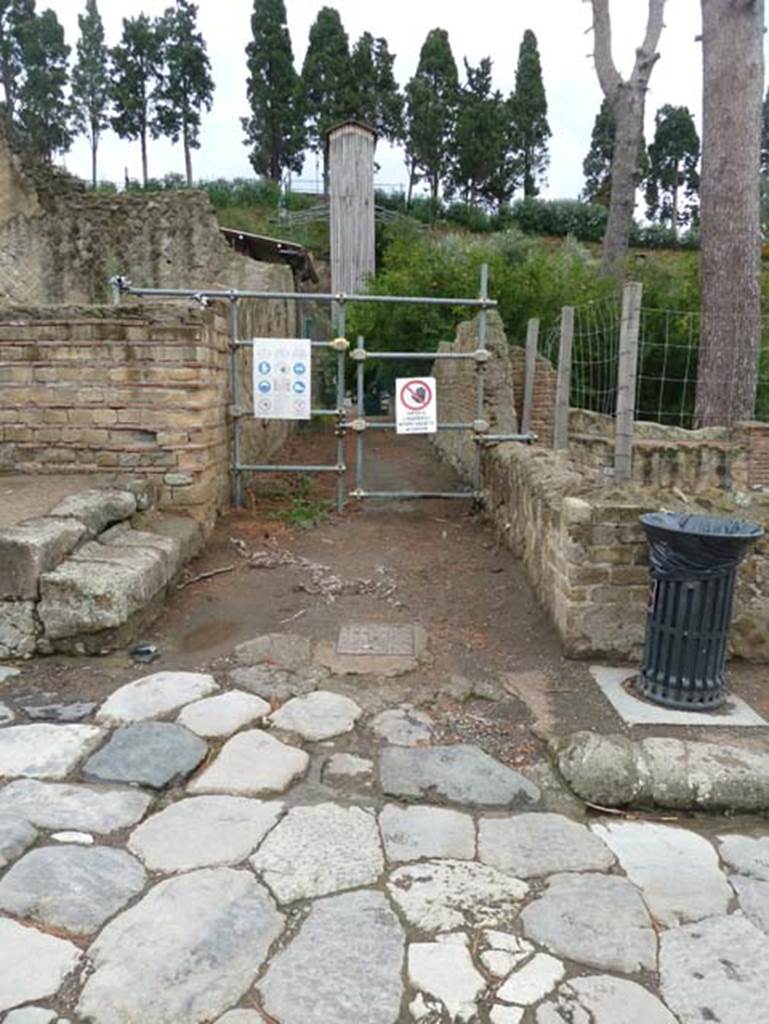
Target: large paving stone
[
  {"x": 404, "y": 726},
  {"x": 147, "y": 753},
  {"x": 30, "y": 1015},
  {"x": 154, "y": 696},
  {"x": 45, "y": 707},
  {"x": 18, "y": 629},
  {"x": 602, "y": 999},
  {"x": 318, "y": 716},
  {"x": 96, "y": 509},
  {"x": 45, "y": 751},
  {"x": 196, "y": 943},
  {"x": 6, "y": 714},
  {"x": 599, "y": 920},
  {"x": 57, "y": 805},
  {"x": 746, "y": 855},
  {"x": 676, "y": 870},
  {"x": 347, "y": 768},
  {"x": 344, "y": 965},
  {"x": 410, "y": 833},
  {"x": 252, "y": 763},
  {"x": 445, "y": 971},
  {"x": 277, "y": 684},
  {"x": 441, "y": 895},
  {"x": 34, "y": 964},
  {"x": 462, "y": 774},
  {"x": 16, "y": 834},
  {"x": 530, "y": 845},
  {"x": 319, "y": 850},
  {"x": 203, "y": 831},
  {"x": 281, "y": 650},
  {"x": 754, "y": 900},
  {"x": 715, "y": 970},
  {"x": 223, "y": 714},
  {"x": 71, "y": 887},
  {"x": 80, "y": 597},
  {"x": 241, "y": 1017},
  {"x": 31, "y": 548},
  {"x": 533, "y": 981}
]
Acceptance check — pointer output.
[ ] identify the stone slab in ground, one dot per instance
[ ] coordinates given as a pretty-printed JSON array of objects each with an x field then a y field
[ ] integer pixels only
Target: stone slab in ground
[
  {"x": 277, "y": 683},
  {"x": 203, "y": 831},
  {"x": 59, "y": 805},
  {"x": 46, "y": 707},
  {"x": 445, "y": 971},
  {"x": 281, "y": 650},
  {"x": 34, "y": 964},
  {"x": 7, "y": 672},
  {"x": 30, "y": 1015},
  {"x": 326, "y": 654},
  {"x": 441, "y": 895},
  {"x": 746, "y": 855},
  {"x": 344, "y": 965},
  {"x": 44, "y": 751},
  {"x": 598, "y": 920},
  {"x": 196, "y": 941},
  {"x": 754, "y": 900},
  {"x": 241, "y": 1017},
  {"x": 318, "y": 850},
  {"x": 318, "y": 716},
  {"x": 71, "y": 887},
  {"x": 154, "y": 696},
  {"x": 634, "y": 711},
  {"x": 6, "y": 714},
  {"x": 404, "y": 727},
  {"x": 347, "y": 768},
  {"x": 16, "y": 834},
  {"x": 715, "y": 970},
  {"x": 531, "y": 845},
  {"x": 462, "y": 774},
  {"x": 411, "y": 833},
  {"x": 223, "y": 714},
  {"x": 252, "y": 763},
  {"x": 147, "y": 753},
  {"x": 676, "y": 870},
  {"x": 533, "y": 981},
  {"x": 602, "y": 999}
]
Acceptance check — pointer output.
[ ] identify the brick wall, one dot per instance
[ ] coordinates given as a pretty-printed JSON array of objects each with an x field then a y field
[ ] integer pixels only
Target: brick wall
[{"x": 543, "y": 398}]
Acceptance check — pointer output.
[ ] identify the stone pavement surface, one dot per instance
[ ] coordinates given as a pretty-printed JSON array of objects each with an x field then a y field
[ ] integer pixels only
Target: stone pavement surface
[{"x": 191, "y": 853}]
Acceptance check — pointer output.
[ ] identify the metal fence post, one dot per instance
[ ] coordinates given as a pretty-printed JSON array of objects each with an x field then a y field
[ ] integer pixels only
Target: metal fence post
[
  {"x": 360, "y": 374},
  {"x": 480, "y": 369},
  {"x": 626, "y": 380},
  {"x": 235, "y": 362},
  {"x": 532, "y": 342},
  {"x": 563, "y": 387},
  {"x": 341, "y": 366}
]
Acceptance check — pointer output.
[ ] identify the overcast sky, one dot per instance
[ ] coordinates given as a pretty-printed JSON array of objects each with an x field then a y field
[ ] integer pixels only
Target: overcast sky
[{"x": 482, "y": 28}]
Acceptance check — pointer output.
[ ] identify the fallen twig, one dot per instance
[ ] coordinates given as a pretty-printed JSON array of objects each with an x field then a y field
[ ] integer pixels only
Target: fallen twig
[
  {"x": 636, "y": 815},
  {"x": 204, "y": 576}
]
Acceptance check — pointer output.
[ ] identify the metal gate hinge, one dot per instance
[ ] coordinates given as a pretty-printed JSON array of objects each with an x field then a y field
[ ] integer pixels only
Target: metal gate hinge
[
  {"x": 357, "y": 425},
  {"x": 339, "y": 344}
]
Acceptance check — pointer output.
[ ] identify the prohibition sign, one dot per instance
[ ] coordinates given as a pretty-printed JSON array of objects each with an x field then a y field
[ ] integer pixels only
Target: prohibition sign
[{"x": 416, "y": 395}]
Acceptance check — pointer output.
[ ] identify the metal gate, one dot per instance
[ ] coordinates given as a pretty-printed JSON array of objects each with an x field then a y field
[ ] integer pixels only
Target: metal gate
[{"x": 359, "y": 355}]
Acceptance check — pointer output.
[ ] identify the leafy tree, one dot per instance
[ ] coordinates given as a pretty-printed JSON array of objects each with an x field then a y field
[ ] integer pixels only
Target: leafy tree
[
  {"x": 597, "y": 164},
  {"x": 530, "y": 115},
  {"x": 477, "y": 142},
  {"x": 44, "y": 116},
  {"x": 275, "y": 130},
  {"x": 378, "y": 101},
  {"x": 14, "y": 14},
  {"x": 673, "y": 158},
  {"x": 327, "y": 81},
  {"x": 136, "y": 72},
  {"x": 431, "y": 102},
  {"x": 186, "y": 85},
  {"x": 90, "y": 82},
  {"x": 499, "y": 187}
]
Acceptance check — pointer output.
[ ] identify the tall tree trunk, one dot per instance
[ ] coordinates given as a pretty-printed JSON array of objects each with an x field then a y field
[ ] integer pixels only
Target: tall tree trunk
[
  {"x": 730, "y": 248},
  {"x": 626, "y": 98},
  {"x": 94, "y": 148},
  {"x": 187, "y": 156},
  {"x": 144, "y": 157}
]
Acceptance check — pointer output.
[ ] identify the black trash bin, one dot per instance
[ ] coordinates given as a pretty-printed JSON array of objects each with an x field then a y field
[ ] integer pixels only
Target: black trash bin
[{"x": 694, "y": 563}]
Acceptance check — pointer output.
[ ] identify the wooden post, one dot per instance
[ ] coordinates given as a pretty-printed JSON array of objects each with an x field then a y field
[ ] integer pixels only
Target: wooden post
[
  {"x": 532, "y": 341},
  {"x": 626, "y": 380},
  {"x": 351, "y": 205},
  {"x": 563, "y": 387}
]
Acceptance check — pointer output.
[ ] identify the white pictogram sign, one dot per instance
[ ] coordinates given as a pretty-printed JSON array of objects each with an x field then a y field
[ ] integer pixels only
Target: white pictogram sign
[
  {"x": 415, "y": 408},
  {"x": 282, "y": 378}
]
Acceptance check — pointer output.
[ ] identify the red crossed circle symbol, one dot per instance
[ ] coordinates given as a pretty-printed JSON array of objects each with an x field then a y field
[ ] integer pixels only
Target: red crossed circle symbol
[{"x": 416, "y": 395}]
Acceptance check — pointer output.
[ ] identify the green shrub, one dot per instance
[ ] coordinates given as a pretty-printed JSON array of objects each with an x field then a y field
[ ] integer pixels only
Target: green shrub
[{"x": 585, "y": 221}]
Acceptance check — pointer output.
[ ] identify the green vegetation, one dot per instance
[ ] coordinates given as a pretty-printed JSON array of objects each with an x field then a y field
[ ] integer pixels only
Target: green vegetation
[{"x": 301, "y": 510}]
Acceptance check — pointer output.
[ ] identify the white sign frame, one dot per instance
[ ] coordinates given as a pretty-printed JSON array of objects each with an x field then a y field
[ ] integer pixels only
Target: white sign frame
[
  {"x": 282, "y": 378},
  {"x": 416, "y": 405}
]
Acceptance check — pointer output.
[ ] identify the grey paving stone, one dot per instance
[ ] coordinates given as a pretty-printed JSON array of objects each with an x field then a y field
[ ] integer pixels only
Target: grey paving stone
[
  {"x": 203, "y": 831},
  {"x": 282, "y": 650},
  {"x": 676, "y": 870},
  {"x": 154, "y": 696},
  {"x": 602, "y": 999},
  {"x": 715, "y": 970},
  {"x": 344, "y": 965},
  {"x": 277, "y": 683},
  {"x": 318, "y": 716},
  {"x": 16, "y": 834},
  {"x": 71, "y": 887},
  {"x": 241, "y": 1017},
  {"x": 410, "y": 833},
  {"x": 196, "y": 941},
  {"x": 532, "y": 981},
  {"x": 45, "y": 707},
  {"x": 318, "y": 850},
  {"x": 223, "y": 714},
  {"x": 252, "y": 763},
  {"x": 346, "y": 768},
  {"x": 461, "y": 774},
  {"x": 531, "y": 845},
  {"x": 445, "y": 971},
  {"x": 500, "y": 1014},
  {"x": 746, "y": 855},
  {"x": 404, "y": 726},
  {"x": 30, "y": 1015},
  {"x": 18, "y": 629},
  {"x": 34, "y": 964},
  {"x": 441, "y": 895},
  {"x": 147, "y": 753},
  {"x": 598, "y": 920},
  {"x": 45, "y": 751},
  {"x": 31, "y": 548},
  {"x": 59, "y": 805},
  {"x": 754, "y": 900},
  {"x": 6, "y": 714}
]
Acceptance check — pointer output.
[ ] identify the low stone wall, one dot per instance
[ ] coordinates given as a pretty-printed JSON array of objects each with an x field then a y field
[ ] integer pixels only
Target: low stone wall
[
  {"x": 543, "y": 394},
  {"x": 586, "y": 555}
]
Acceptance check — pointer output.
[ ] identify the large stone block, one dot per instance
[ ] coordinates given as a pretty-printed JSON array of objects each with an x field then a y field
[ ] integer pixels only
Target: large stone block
[
  {"x": 17, "y": 629},
  {"x": 31, "y": 548},
  {"x": 87, "y": 597},
  {"x": 97, "y": 509}
]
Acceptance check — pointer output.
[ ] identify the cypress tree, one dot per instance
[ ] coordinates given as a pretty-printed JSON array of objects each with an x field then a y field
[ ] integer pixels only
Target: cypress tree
[
  {"x": 476, "y": 133},
  {"x": 135, "y": 73},
  {"x": 44, "y": 116},
  {"x": 597, "y": 164},
  {"x": 530, "y": 115},
  {"x": 378, "y": 101},
  {"x": 431, "y": 105},
  {"x": 327, "y": 81},
  {"x": 90, "y": 83},
  {"x": 672, "y": 175},
  {"x": 14, "y": 14}
]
